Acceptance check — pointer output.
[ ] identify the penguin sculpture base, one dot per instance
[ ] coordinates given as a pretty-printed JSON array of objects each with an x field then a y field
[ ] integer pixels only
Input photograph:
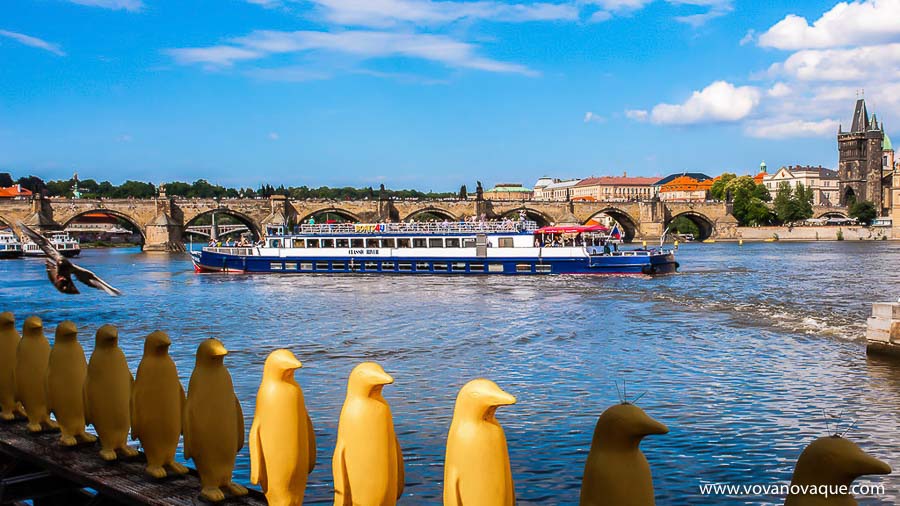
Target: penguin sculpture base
[
  {"x": 217, "y": 494},
  {"x": 160, "y": 472},
  {"x": 17, "y": 413}
]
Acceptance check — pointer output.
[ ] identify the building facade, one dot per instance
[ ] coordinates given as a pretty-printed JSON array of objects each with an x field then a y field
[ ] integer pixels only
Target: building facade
[
  {"x": 825, "y": 183},
  {"x": 860, "y": 159},
  {"x": 685, "y": 188},
  {"x": 554, "y": 189},
  {"x": 508, "y": 191},
  {"x": 615, "y": 189}
]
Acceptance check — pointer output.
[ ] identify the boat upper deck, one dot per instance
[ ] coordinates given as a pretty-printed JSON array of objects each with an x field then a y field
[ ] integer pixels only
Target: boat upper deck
[{"x": 509, "y": 227}]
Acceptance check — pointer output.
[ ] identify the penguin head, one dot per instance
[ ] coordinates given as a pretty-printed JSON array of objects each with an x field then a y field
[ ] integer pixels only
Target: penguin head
[
  {"x": 280, "y": 365},
  {"x": 480, "y": 398},
  {"x": 66, "y": 331},
  {"x": 107, "y": 336},
  {"x": 367, "y": 379},
  {"x": 7, "y": 320},
  {"x": 157, "y": 343},
  {"x": 211, "y": 351},
  {"x": 834, "y": 460},
  {"x": 33, "y": 326},
  {"x": 625, "y": 425}
]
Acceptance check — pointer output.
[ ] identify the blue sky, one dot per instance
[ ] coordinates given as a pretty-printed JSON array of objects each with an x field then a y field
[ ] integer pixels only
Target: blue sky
[{"x": 433, "y": 94}]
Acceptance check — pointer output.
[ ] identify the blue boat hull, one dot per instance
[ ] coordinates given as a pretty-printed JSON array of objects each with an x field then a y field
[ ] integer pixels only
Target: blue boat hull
[{"x": 654, "y": 264}]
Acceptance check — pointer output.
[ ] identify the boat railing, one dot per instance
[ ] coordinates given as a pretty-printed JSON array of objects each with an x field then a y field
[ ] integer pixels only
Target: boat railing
[
  {"x": 454, "y": 227},
  {"x": 230, "y": 251}
]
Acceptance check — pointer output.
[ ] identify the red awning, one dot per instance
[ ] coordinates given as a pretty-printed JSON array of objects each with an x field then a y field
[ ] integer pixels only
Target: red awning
[{"x": 571, "y": 229}]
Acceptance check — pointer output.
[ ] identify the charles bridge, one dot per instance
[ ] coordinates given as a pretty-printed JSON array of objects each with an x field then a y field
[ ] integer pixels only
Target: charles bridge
[{"x": 164, "y": 222}]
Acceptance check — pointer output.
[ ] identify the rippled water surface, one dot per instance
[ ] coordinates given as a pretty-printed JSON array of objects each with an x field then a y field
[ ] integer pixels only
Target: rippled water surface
[{"x": 739, "y": 355}]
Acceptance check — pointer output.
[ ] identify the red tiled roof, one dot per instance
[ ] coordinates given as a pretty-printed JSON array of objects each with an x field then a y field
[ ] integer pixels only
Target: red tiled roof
[
  {"x": 14, "y": 191},
  {"x": 618, "y": 181}
]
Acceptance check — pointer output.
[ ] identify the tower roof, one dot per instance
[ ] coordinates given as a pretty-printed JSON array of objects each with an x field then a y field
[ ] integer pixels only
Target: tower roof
[
  {"x": 860, "y": 117},
  {"x": 886, "y": 143}
]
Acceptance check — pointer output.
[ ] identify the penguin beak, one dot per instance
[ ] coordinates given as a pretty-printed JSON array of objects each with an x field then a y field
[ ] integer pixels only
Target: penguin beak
[
  {"x": 291, "y": 364},
  {"x": 218, "y": 350},
  {"x": 501, "y": 398},
  {"x": 164, "y": 341},
  {"x": 381, "y": 378},
  {"x": 649, "y": 427},
  {"x": 865, "y": 464}
]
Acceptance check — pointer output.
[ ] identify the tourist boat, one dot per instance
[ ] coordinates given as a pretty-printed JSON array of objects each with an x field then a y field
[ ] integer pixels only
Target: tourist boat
[
  {"x": 10, "y": 247},
  {"x": 513, "y": 248},
  {"x": 67, "y": 246}
]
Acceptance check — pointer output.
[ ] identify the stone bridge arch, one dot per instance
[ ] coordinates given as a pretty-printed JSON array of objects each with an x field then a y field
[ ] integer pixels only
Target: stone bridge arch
[
  {"x": 831, "y": 213},
  {"x": 141, "y": 229},
  {"x": 347, "y": 215},
  {"x": 630, "y": 226},
  {"x": 433, "y": 210},
  {"x": 542, "y": 219},
  {"x": 255, "y": 226},
  {"x": 705, "y": 224}
]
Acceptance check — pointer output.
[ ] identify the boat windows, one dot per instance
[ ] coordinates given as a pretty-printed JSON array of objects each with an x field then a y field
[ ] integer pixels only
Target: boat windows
[
  {"x": 452, "y": 242},
  {"x": 403, "y": 243},
  {"x": 523, "y": 267},
  {"x": 299, "y": 243},
  {"x": 476, "y": 267},
  {"x": 290, "y": 266},
  {"x": 338, "y": 266},
  {"x": 306, "y": 266},
  {"x": 468, "y": 242},
  {"x": 371, "y": 266},
  {"x": 404, "y": 266},
  {"x": 371, "y": 243},
  {"x": 505, "y": 242},
  {"x": 422, "y": 266},
  {"x": 276, "y": 266},
  {"x": 341, "y": 243},
  {"x": 387, "y": 243},
  {"x": 327, "y": 243},
  {"x": 274, "y": 243},
  {"x": 312, "y": 243},
  {"x": 495, "y": 267},
  {"x": 356, "y": 243},
  {"x": 543, "y": 268},
  {"x": 387, "y": 266},
  {"x": 419, "y": 242},
  {"x": 321, "y": 266},
  {"x": 435, "y": 242},
  {"x": 440, "y": 266},
  {"x": 458, "y": 267}
]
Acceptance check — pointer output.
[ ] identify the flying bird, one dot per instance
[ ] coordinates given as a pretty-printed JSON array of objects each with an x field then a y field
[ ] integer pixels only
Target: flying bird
[{"x": 60, "y": 269}]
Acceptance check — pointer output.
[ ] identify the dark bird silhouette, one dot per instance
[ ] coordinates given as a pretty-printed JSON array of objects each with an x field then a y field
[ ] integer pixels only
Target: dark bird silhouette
[{"x": 60, "y": 269}]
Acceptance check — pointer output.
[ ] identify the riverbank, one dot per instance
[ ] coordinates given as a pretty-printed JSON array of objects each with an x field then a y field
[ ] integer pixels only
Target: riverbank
[{"x": 823, "y": 233}]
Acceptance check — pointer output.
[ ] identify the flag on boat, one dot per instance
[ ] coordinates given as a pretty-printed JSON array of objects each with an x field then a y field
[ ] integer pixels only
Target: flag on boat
[{"x": 615, "y": 233}]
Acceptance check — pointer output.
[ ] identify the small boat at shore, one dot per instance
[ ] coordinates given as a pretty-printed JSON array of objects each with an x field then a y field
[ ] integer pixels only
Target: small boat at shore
[
  {"x": 507, "y": 247},
  {"x": 67, "y": 246},
  {"x": 10, "y": 247}
]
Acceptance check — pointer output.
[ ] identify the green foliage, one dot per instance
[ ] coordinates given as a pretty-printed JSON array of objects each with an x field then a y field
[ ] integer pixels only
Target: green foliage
[
  {"x": 793, "y": 204},
  {"x": 864, "y": 211},
  {"x": 5, "y": 179},
  {"x": 749, "y": 201},
  {"x": 684, "y": 225},
  {"x": 720, "y": 186}
]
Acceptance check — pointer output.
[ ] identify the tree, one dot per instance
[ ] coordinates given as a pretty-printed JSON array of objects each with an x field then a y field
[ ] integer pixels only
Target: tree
[
  {"x": 793, "y": 204},
  {"x": 719, "y": 189},
  {"x": 864, "y": 211},
  {"x": 748, "y": 201},
  {"x": 5, "y": 179},
  {"x": 684, "y": 225},
  {"x": 32, "y": 183}
]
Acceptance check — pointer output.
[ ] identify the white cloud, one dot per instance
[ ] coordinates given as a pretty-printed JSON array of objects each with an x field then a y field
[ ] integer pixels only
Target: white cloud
[
  {"x": 719, "y": 102},
  {"x": 274, "y": 136},
  {"x": 621, "y": 5},
  {"x": 854, "y": 64},
  {"x": 118, "y": 5},
  {"x": 33, "y": 42},
  {"x": 791, "y": 128},
  {"x": 778, "y": 90},
  {"x": 637, "y": 114},
  {"x": 592, "y": 117},
  {"x": 361, "y": 44},
  {"x": 846, "y": 24},
  {"x": 600, "y": 16},
  {"x": 749, "y": 37},
  {"x": 124, "y": 138}
]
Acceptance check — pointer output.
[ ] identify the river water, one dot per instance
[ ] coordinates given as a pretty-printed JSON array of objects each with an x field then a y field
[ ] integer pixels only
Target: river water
[{"x": 739, "y": 354}]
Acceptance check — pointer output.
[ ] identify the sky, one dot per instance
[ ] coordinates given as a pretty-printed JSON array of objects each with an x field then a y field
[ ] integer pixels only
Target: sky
[{"x": 432, "y": 94}]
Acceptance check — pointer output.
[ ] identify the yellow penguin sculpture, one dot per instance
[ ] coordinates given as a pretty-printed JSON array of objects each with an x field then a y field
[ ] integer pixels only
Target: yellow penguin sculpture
[
  {"x": 32, "y": 359},
  {"x": 282, "y": 441},
  {"x": 108, "y": 394},
  {"x": 476, "y": 469},
  {"x": 833, "y": 462},
  {"x": 213, "y": 423},
  {"x": 616, "y": 472},
  {"x": 157, "y": 406},
  {"x": 367, "y": 463},
  {"x": 65, "y": 385},
  {"x": 10, "y": 407}
]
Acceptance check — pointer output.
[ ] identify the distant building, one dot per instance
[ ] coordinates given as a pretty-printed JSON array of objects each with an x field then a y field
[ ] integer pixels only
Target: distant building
[
  {"x": 861, "y": 159},
  {"x": 685, "y": 188},
  {"x": 14, "y": 192},
  {"x": 554, "y": 189},
  {"x": 508, "y": 191},
  {"x": 825, "y": 183},
  {"x": 698, "y": 176},
  {"x": 760, "y": 177},
  {"x": 612, "y": 189}
]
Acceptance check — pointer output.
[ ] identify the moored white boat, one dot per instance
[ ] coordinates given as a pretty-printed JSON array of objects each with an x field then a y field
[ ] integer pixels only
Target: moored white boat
[
  {"x": 508, "y": 247},
  {"x": 67, "y": 246},
  {"x": 10, "y": 247}
]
